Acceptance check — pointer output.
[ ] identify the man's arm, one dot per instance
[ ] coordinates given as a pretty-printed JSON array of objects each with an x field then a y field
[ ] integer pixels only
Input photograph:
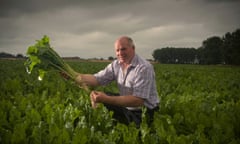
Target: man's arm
[
  {"x": 86, "y": 79},
  {"x": 124, "y": 101}
]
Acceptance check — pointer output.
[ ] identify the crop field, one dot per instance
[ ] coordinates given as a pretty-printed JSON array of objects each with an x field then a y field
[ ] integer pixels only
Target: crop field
[{"x": 199, "y": 105}]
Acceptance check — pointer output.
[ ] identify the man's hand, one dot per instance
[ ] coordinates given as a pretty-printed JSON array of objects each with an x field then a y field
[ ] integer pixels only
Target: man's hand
[
  {"x": 93, "y": 99},
  {"x": 78, "y": 80},
  {"x": 81, "y": 83},
  {"x": 96, "y": 97},
  {"x": 123, "y": 101}
]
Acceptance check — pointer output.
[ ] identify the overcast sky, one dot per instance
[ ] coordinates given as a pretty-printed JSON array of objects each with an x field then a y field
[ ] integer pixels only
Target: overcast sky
[{"x": 88, "y": 28}]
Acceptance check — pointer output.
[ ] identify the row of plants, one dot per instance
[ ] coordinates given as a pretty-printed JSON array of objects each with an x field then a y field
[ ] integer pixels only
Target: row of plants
[{"x": 199, "y": 104}]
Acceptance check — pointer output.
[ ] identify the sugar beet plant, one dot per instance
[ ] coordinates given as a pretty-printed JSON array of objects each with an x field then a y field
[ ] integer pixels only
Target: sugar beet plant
[{"x": 44, "y": 58}]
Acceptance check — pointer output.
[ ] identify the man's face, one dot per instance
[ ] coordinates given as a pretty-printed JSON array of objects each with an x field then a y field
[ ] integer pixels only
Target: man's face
[{"x": 124, "y": 51}]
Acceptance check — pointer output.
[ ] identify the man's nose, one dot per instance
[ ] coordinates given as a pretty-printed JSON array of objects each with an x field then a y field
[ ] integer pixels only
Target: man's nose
[{"x": 120, "y": 52}]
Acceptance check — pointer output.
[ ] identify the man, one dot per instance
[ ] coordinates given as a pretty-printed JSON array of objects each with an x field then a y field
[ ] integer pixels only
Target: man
[{"x": 135, "y": 78}]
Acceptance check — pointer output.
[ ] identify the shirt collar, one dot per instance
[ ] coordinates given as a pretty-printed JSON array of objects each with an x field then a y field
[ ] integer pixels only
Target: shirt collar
[{"x": 134, "y": 61}]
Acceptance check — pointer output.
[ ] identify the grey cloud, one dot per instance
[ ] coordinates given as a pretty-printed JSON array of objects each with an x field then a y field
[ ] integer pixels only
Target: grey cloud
[
  {"x": 81, "y": 25},
  {"x": 217, "y": 1},
  {"x": 13, "y": 7}
]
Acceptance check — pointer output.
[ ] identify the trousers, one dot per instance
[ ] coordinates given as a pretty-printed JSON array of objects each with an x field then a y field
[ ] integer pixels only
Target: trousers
[
  {"x": 123, "y": 115},
  {"x": 126, "y": 116}
]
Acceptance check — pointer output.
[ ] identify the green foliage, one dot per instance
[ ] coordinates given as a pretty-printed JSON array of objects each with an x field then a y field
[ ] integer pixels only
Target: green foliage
[
  {"x": 199, "y": 104},
  {"x": 44, "y": 58}
]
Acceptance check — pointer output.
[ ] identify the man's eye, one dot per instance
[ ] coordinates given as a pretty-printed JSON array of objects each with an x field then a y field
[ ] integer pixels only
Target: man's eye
[{"x": 121, "y": 49}]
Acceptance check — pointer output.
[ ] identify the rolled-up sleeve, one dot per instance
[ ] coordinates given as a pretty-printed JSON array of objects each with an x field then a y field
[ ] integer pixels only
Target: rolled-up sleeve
[{"x": 106, "y": 75}]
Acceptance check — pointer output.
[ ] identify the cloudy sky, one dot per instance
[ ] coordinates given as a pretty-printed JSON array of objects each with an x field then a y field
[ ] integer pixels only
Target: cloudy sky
[{"x": 88, "y": 28}]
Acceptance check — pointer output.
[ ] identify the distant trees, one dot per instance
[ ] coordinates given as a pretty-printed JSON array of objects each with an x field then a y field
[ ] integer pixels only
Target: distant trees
[
  {"x": 231, "y": 48},
  {"x": 9, "y": 56},
  {"x": 214, "y": 50},
  {"x": 110, "y": 58},
  {"x": 175, "y": 55},
  {"x": 6, "y": 55},
  {"x": 211, "y": 51}
]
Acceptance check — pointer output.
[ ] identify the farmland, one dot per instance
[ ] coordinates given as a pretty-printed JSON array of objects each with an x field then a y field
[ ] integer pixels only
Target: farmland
[{"x": 199, "y": 104}]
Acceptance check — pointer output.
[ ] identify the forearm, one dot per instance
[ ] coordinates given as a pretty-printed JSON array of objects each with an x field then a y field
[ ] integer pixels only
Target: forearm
[
  {"x": 124, "y": 101},
  {"x": 87, "y": 79}
]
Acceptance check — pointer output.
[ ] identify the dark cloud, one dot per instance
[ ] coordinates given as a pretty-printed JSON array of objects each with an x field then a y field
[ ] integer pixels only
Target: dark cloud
[
  {"x": 77, "y": 26},
  {"x": 13, "y": 7}
]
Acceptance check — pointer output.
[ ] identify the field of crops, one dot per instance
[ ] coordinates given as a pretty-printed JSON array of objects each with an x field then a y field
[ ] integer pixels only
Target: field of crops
[{"x": 199, "y": 105}]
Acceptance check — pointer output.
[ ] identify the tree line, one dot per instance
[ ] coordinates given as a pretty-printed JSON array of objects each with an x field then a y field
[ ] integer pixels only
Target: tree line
[
  {"x": 7, "y": 55},
  {"x": 214, "y": 50}
]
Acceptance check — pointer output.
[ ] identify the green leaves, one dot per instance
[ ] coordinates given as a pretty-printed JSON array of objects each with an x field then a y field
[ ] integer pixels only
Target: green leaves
[
  {"x": 42, "y": 57},
  {"x": 35, "y": 59},
  {"x": 198, "y": 105}
]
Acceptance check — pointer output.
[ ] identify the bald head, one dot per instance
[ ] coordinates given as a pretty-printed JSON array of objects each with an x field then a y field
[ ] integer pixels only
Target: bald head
[
  {"x": 126, "y": 40},
  {"x": 125, "y": 49}
]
